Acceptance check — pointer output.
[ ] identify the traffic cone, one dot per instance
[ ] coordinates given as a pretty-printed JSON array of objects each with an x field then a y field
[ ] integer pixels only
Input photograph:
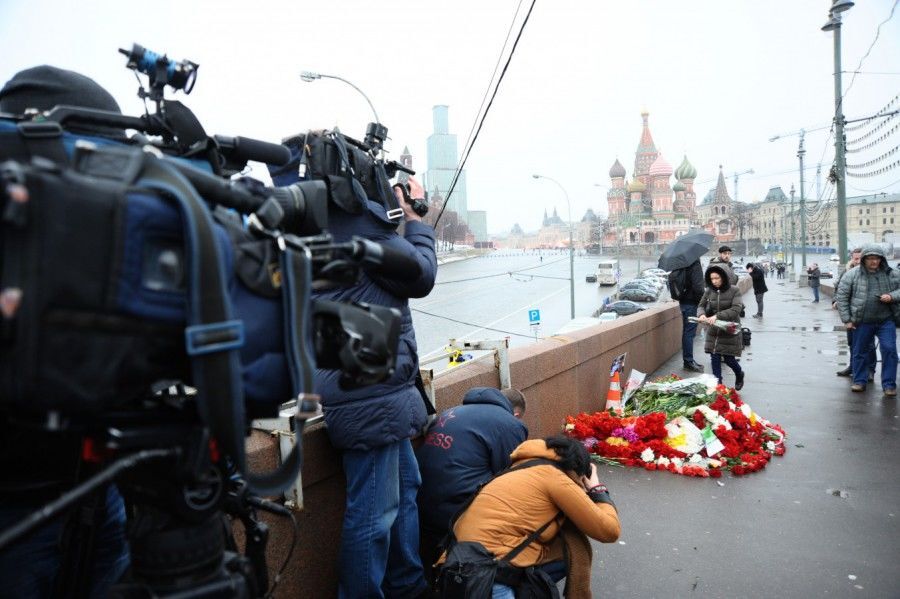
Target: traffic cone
[{"x": 614, "y": 395}]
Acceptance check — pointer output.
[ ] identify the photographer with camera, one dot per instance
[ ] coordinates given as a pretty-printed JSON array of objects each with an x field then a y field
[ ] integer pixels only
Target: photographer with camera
[
  {"x": 38, "y": 465},
  {"x": 372, "y": 426}
]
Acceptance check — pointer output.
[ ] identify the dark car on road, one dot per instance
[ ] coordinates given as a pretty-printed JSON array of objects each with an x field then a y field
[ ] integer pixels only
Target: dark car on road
[
  {"x": 637, "y": 295},
  {"x": 623, "y": 307},
  {"x": 640, "y": 284}
]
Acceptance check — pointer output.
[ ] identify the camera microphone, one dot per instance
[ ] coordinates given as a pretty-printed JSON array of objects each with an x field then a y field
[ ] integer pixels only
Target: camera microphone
[{"x": 242, "y": 149}]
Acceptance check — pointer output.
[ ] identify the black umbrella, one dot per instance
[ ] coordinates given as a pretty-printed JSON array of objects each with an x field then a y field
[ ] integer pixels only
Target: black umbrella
[{"x": 685, "y": 249}]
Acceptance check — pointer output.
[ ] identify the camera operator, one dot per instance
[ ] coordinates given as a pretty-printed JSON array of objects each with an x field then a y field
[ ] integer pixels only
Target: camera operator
[
  {"x": 372, "y": 426},
  {"x": 38, "y": 465}
]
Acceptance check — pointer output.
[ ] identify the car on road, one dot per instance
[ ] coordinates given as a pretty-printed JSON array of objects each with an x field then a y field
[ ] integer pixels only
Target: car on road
[
  {"x": 637, "y": 295},
  {"x": 657, "y": 283},
  {"x": 622, "y": 307},
  {"x": 825, "y": 274},
  {"x": 640, "y": 284},
  {"x": 656, "y": 272},
  {"x": 590, "y": 278}
]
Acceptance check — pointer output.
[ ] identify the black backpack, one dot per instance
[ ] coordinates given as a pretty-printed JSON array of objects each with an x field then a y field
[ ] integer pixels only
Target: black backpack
[{"x": 678, "y": 283}]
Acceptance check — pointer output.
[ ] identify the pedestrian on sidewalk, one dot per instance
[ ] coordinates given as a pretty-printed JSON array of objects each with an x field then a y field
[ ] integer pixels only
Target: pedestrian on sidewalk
[
  {"x": 813, "y": 274},
  {"x": 868, "y": 300},
  {"x": 759, "y": 286},
  {"x": 686, "y": 286},
  {"x": 871, "y": 359},
  {"x": 722, "y": 301},
  {"x": 723, "y": 260}
]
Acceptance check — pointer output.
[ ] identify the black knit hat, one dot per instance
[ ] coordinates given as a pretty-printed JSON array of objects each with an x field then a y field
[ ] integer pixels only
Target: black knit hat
[
  {"x": 724, "y": 249},
  {"x": 44, "y": 87}
]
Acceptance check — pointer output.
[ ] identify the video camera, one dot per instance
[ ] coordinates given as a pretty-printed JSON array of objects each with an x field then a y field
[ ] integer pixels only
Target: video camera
[{"x": 187, "y": 311}]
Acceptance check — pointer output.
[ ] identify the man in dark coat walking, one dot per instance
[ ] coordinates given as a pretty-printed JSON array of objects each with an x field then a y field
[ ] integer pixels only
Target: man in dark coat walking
[
  {"x": 814, "y": 274},
  {"x": 759, "y": 286},
  {"x": 464, "y": 447},
  {"x": 686, "y": 285}
]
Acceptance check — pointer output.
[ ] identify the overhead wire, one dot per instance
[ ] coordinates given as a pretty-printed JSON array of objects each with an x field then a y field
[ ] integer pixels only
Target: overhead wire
[
  {"x": 471, "y": 324},
  {"x": 866, "y": 55},
  {"x": 468, "y": 150}
]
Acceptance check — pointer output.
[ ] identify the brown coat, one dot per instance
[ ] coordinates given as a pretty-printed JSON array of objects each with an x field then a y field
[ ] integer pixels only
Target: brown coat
[
  {"x": 514, "y": 505},
  {"x": 725, "y": 304}
]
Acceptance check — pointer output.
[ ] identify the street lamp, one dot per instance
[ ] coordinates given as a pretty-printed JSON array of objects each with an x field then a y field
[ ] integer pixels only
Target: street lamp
[
  {"x": 834, "y": 24},
  {"x": 376, "y": 133},
  {"x": 571, "y": 243},
  {"x": 310, "y": 76}
]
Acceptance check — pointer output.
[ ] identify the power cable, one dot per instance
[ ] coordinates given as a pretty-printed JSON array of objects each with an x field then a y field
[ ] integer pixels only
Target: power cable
[
  {"x": 876, "y": 190},
  {"x": 500, "y": 274},
  {"x": 866, "y": 55},
  {"x": 471, "y": 324},
  {"x": 468, "y": 150}
]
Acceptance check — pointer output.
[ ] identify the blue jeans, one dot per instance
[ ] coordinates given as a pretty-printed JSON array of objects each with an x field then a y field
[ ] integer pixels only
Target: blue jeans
[
  {"x": 815, "y": 293},
  {"x": 717, "y": 365},
  {"x": 687, "y": 331},
  {"x": 887, "y": 341},
  {"x": 556, "y": 570},
  {"x": 871, "y": 358},
  {"x": 379, "y": 553},
  {"x": 28, "y": 569}
]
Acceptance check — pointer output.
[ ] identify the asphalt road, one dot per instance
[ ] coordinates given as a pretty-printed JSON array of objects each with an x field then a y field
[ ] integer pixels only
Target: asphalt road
[{"x": 477, "y": 299}]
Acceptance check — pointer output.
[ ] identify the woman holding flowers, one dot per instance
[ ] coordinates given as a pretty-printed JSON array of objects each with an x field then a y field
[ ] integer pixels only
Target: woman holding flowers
[{"x": 721, "y": 302}]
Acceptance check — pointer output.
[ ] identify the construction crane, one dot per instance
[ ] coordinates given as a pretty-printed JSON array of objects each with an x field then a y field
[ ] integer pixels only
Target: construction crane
[{"x": 736, "y": 175}]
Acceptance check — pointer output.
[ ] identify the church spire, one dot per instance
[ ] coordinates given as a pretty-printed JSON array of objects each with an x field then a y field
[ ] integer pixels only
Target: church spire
[{"x": 721, "y": 196}]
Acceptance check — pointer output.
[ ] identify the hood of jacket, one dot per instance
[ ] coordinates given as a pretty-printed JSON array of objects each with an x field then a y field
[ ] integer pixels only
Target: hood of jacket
[
  {"x": 726, "y": 284},
  {"x": 533, "y": 448},
  {"x": 487, "y": 395},
  {"x": 873, "y": 249}
]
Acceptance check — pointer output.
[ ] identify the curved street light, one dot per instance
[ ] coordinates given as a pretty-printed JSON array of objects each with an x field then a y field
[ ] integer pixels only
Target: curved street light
[
  {"x": 310, "y": 76},
  {"x": 571, "y": 244}
]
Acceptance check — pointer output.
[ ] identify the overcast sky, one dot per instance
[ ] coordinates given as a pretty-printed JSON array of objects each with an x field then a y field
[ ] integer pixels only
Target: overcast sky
[{"x": 719, "y": 78}]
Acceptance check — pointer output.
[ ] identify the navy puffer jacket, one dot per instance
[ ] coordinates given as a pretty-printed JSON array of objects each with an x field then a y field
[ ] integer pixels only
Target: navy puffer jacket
[{"x": 392, "y": 410}]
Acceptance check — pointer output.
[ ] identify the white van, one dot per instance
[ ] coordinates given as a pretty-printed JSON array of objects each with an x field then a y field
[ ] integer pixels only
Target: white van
[{"x": 608, "y": 272}]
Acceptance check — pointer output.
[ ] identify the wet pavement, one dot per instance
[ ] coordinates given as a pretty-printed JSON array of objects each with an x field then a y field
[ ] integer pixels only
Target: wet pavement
[{"x": 822, "y": 521}]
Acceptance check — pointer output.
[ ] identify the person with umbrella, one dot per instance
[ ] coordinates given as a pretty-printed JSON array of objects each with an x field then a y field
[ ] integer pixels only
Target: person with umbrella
[{"x": 682, "y": 259}]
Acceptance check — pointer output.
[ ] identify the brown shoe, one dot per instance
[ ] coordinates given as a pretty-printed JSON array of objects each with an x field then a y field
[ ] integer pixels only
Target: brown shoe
[
  {"x": 890, "y": 392},
  {"x": 857, "y": 388}
]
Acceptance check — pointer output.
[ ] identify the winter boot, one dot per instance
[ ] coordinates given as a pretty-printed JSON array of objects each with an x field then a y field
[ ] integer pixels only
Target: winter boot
[{"x": 739, "y": 381}]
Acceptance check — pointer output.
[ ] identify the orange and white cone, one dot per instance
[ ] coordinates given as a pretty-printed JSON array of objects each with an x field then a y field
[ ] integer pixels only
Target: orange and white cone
[{"x": 614, "y": 395}]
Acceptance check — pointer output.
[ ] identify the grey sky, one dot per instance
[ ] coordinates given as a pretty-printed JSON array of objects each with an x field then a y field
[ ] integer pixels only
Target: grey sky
[{"x": 719, "y": 78}]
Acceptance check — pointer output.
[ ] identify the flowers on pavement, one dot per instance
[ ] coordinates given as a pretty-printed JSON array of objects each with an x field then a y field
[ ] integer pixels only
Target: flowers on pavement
[{"x": 703, "y": 435}]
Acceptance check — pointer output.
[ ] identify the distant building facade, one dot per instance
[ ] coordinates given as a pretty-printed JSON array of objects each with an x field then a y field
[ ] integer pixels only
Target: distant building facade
[
  {"x": 442, "y": 159},
  {"x": 478, "y": 224}
]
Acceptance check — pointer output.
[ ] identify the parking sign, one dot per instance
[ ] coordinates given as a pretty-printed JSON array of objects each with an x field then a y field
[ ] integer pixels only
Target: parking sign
[{"x": 534, "y": 317}]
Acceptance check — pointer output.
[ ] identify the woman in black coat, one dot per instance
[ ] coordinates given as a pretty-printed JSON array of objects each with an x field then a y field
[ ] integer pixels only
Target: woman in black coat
[{"x": 722, "y": 302}]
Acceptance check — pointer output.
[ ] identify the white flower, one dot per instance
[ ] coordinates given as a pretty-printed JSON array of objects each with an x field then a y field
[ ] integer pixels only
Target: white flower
[
  {"x": 746, "y": 411},
  {"x": 770, "y": 445},
  {"x": 647, "y": 455},
  {"x": 663, "y": 461},
  {"x": 695, "y": 459},
  {"x": 678, "y": 462},
  {"x": 713, "y": 463},
  {"x": 570, "y": 428}
]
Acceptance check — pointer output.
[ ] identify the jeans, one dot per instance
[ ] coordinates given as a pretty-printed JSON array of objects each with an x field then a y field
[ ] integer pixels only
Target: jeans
[
  {"x": 379, "y": 553},
  {"x": 556, "y": 570},
  {"x": 815, "y": 293},
  {"x": 687, "y": 332},
  {"x": 759, "y": 303},
  {"x": 871, "y": 358},
  {"x": 29, "y": 568},
  {"x": 887, "y": 340},
  {"x": 717, "y": 365}
]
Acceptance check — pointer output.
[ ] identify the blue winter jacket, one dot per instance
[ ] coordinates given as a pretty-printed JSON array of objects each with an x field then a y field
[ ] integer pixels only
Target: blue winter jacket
[
  {"x": 464, "y": 447},
  {"x": 392, "y": 410}
]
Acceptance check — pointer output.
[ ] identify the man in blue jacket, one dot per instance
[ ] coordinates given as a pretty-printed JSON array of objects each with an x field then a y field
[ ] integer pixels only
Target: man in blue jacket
[
  {"x": 372, "y": 426},
  {"x": 464, "y": 447}
]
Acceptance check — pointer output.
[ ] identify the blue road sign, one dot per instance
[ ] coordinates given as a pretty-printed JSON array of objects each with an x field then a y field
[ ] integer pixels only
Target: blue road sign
[{"x": 534, "y": 316}]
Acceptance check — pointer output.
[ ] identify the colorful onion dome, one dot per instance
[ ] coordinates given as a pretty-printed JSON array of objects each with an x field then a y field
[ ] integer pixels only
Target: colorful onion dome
[
  {"x": 679, "y": 186},
  {"x": 617, "y": 170},
  {"x": 636, "y": 185},
  {"x": 660, "y": 167},
  {"x": 686, "y": 170}
]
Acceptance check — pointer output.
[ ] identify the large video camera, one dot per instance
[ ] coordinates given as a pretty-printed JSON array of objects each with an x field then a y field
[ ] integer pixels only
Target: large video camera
[{"x": 151, "y": 305}]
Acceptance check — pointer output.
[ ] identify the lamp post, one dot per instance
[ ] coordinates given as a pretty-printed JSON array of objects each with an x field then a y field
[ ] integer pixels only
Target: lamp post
[
  {"x": 791, "y": 278},
  {"x": 310, "y": 76},
  {"x": 571, "y": 244},
  {"x": 801, "y": 152},
  {"x": 834, "y": 24}
]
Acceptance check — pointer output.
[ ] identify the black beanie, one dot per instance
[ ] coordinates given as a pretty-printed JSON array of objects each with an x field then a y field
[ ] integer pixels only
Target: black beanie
[{"x": 44, "y": 87}]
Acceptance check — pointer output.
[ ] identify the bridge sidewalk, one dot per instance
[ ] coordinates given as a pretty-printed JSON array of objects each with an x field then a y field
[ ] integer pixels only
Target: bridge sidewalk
[{"x": 824, "y": 520}]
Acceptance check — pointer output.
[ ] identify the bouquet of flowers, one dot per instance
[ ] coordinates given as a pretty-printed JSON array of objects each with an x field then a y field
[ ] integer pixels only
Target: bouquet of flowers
[
  {"x": 717, "y": 432},
  {"x": 731, "y": 328}
]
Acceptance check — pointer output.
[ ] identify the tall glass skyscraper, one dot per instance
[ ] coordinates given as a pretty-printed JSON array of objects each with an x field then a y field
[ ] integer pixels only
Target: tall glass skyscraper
[{"x": 442, "y": 159}]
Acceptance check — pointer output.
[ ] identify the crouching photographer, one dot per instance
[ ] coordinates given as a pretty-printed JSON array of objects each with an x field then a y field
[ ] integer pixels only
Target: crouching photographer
[{"x": 527, "y": 527}]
